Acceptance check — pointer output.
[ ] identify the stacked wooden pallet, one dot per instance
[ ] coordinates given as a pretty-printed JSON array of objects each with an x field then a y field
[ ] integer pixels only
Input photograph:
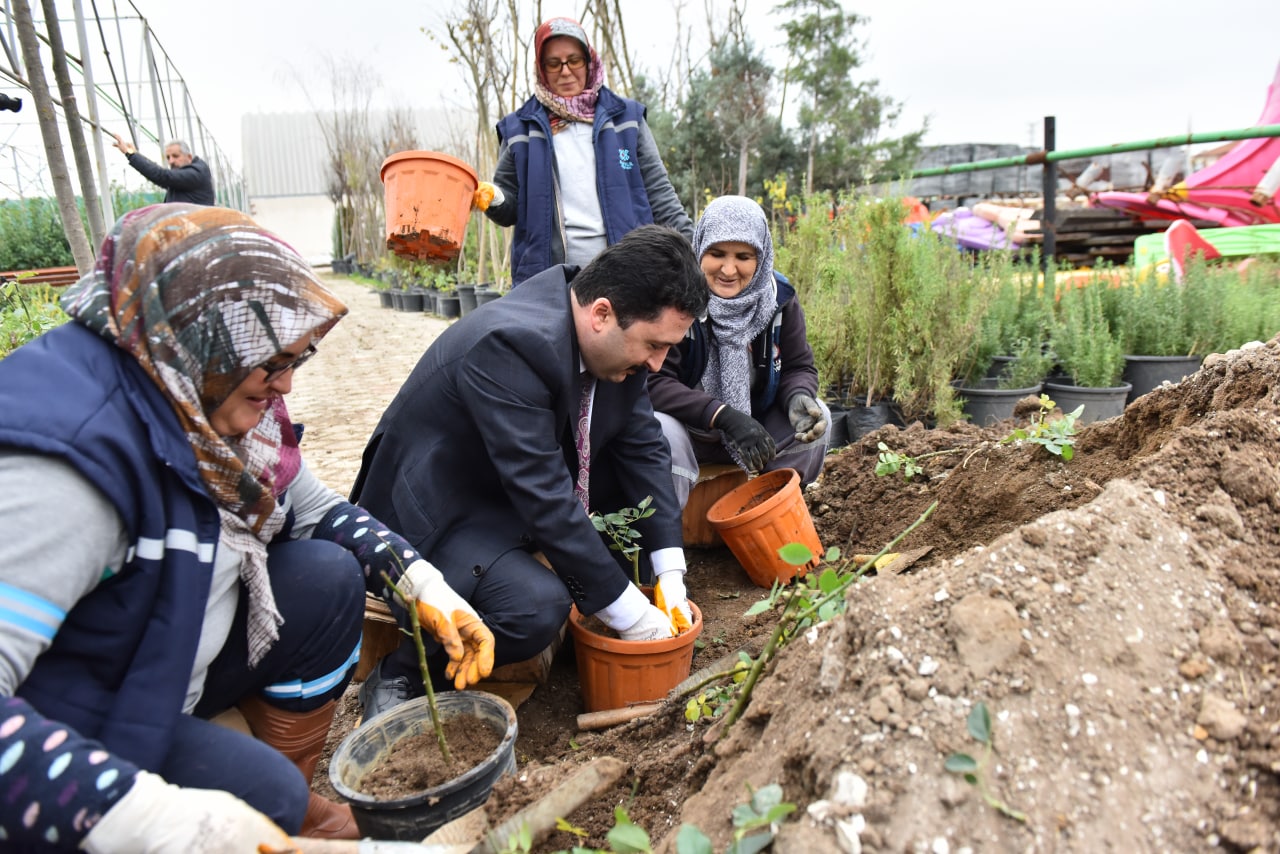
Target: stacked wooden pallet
[{"x": 1087, "y": 236}]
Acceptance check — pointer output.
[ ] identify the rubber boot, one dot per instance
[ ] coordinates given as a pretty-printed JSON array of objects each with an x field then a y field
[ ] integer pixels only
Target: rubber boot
[{"x": 301, "y": 736}]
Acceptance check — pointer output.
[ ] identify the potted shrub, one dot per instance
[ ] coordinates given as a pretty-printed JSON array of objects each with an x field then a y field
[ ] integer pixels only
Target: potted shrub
[
  {"x": 914, "y": 309},
  {"x": 397, "y": 769},
  {"x": 1090, "y": 353},
  {"x": 613, "y": 672},
  {"x": 1010, "y": 357},
  {"x": 1160, "y": 341}
]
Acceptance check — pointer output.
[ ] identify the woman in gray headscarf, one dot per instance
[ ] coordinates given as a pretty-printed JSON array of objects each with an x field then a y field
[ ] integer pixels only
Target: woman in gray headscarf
[{"x": 742, "y": 387}]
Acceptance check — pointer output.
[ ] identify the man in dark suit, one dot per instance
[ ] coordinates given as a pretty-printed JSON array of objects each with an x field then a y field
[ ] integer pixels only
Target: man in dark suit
[
  {"x": 479, "y": 459},
  {"x": 186, "y": 180}
]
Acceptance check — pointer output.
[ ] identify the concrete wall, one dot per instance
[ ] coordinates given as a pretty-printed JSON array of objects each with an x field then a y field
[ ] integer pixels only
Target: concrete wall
[{"x": 304, "y": 222}]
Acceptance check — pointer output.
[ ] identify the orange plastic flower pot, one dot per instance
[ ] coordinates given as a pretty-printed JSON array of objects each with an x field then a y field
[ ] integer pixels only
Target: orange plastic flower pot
[
  {"x": 614, "y": 673},
  {"x": 760, "y": 517},
  {"x": 428, "y": 200}
]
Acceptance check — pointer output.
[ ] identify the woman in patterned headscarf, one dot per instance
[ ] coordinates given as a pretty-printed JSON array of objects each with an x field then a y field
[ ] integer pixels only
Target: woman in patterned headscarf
[
  {"x": 742, "y": 387},
  {"x": 577, "y": 167},
  {"x": 165, "y": 554}
]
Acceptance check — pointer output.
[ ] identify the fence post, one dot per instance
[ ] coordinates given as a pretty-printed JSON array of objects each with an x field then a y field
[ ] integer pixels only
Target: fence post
[{"x": 1049, "y": 183}]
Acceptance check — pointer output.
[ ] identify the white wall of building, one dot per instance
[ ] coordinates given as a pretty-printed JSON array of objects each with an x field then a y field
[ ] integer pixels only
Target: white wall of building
[{"x": 304, "y": 222}]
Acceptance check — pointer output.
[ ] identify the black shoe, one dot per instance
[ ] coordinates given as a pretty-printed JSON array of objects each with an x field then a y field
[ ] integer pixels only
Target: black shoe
[{"x": 378, "y": 695}]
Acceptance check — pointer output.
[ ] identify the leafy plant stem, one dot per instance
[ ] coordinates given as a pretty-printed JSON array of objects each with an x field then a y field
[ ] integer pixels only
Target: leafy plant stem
[
  {"x": 757, "y": 668},
  {"x": 788, "y": 621},
  {"x": 839, "y": 591},
  {"x": 988, "y": 796},
  {"x": 416, "y": 633}
]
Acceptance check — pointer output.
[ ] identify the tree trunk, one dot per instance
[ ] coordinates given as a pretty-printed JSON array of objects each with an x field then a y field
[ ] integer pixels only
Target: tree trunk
[
  {"x": 744, "y": 157},
  {"x": 75, "y": 130},
  {"x": 72, "y": 226}
]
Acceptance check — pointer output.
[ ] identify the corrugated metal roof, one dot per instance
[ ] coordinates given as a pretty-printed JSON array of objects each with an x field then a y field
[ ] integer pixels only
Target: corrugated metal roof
[{"x": 285, "y": 153}]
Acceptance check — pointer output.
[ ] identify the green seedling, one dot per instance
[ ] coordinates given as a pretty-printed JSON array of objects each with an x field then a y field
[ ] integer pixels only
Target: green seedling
[
  {"x": 617, "y": 527},
  {"x": 754, "y": 822},
  {"x": 714, "y": 700},
  {"x": 625, "y": 837},
  {"x": 891, "y": 462},
  {"x": 973, "y": 770},
  {"x": 1057, "y": 436}
]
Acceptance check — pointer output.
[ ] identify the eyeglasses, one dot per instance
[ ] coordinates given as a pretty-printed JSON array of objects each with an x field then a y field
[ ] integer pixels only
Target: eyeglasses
[
  {"x": 553, "y": 65},
  {"x": 276, "y": 365}
]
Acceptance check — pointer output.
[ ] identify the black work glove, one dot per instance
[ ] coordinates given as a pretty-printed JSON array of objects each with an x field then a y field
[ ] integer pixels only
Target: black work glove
[
  {"x": 806, "y": 417},
  {"x": 748, "y": 436}
]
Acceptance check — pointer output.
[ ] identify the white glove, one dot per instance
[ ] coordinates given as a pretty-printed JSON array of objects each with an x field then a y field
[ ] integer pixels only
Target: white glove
[
  {"x": 674, "y": 596},
  {"x": 634, "y": 617},
  {"x": 155, "y": 817},
  {"x": 652, "y": 625}
]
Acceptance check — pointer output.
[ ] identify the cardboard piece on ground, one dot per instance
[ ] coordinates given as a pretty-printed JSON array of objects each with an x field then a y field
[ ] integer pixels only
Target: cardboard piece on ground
[
  {"x": 906, "y": 560},
  {"x": 715, "y": 480}
]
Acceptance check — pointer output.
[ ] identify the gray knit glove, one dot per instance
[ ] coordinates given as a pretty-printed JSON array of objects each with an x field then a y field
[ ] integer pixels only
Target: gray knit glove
[{"x": 806, "y": 417}]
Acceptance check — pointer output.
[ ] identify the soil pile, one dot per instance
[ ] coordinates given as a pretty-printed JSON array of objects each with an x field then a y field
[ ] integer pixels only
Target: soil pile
[{"x": 1117, "y": 614}]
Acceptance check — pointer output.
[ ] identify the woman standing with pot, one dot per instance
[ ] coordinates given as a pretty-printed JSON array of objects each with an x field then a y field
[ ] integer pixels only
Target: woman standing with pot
[
  {"x": 165, "y": 554},
  {"x": 742, "y": 387},
  {"x": 577, "y": 167}
]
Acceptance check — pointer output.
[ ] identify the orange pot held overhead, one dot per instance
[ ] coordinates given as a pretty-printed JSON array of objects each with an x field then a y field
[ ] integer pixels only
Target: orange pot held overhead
[{"x": 428, "y": 199}]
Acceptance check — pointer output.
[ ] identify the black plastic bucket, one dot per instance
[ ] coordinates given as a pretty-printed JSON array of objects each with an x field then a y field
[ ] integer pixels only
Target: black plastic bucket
[{"x": 412, "y": 818}]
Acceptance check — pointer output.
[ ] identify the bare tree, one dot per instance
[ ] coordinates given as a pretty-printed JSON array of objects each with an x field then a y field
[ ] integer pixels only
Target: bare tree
[
  {"x": 356, "y": 151},
  {"x": 75, "y": 130},
  {"x": 489, "y": 74},
  {"x": 72, "y": 226},
  {"x": 610, "y": 36}
]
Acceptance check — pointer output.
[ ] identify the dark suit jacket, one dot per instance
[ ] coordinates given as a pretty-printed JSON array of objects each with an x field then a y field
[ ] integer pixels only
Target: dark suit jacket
[
  {"x": 191, "y": 183},
  {"x": 475, "y": 455}
]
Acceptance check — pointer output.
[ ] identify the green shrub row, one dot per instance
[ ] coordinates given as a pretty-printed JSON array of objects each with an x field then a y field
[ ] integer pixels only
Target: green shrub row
[{"x": 31, "y": 235}]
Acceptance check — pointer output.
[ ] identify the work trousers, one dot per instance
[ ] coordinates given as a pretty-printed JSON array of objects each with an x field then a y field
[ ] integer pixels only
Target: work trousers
[{"x": 319, "y": 590}]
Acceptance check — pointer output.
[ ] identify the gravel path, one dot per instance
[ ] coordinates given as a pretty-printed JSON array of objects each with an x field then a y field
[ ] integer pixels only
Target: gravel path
[{"x": 341, "y": 393}]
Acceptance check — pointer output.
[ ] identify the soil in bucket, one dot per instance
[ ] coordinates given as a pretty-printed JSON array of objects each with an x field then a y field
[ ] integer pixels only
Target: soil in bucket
[
  {"x": 428, "y": 201},
  {"x": 760, "y": 517},
  {"x": 406, "y": 731},
  {"x": 416, "y": 763}
]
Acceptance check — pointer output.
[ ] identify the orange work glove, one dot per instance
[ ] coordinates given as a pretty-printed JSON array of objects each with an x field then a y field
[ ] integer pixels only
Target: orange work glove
[
  {"x": 670, "y": 598},
  {"x": 451, "y": 621},
  {"x": 485, "y": 195}
]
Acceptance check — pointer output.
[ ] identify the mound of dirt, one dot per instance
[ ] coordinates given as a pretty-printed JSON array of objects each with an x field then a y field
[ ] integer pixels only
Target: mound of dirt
[{"x": 1117, "y": 614}]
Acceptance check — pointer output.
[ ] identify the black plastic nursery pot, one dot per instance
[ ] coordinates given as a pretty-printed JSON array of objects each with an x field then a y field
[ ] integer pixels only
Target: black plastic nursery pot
[
  {"x": 1146, "y": 373},
  {"x": 413, "y": 817},
  {"x": 987, "y": 403}
]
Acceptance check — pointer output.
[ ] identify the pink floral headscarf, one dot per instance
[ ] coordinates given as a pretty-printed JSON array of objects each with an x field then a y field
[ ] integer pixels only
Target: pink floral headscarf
[{"x": 581, "y": 107}]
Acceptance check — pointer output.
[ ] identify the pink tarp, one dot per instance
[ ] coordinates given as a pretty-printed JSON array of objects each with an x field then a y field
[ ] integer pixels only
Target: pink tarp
[{"x": 1221, "y": 191}]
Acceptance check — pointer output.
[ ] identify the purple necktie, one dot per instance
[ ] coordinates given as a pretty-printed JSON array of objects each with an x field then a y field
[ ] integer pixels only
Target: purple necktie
[{"x": 582, "y": 440}]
